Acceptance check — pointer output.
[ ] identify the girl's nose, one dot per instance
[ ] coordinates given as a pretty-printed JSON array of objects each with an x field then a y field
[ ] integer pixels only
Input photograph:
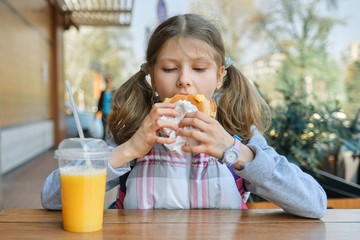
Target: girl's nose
[{"x": 184, "y": 79}]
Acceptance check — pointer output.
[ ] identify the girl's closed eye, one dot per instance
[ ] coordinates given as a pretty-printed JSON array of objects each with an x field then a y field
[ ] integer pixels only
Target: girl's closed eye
[
  {"x": 200, "y": 69},
  {"x": 169, "y": 69}
]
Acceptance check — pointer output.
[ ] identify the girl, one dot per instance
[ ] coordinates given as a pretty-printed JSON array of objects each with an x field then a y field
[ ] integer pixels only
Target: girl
[{"x": 186, "y": 55}]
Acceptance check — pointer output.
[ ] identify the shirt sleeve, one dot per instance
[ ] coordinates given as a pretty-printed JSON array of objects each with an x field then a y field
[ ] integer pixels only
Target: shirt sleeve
[
  {"x": 51, "y": 191},
  {"x": 272, "y": 177}
]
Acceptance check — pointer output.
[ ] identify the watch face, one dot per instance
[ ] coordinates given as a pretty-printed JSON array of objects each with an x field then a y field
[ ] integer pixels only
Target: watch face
[{"x": 231, "y": 156}]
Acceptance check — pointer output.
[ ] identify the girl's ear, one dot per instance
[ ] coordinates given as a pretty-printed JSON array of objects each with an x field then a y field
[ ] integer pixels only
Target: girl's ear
[{"x": 220, "y": 77}]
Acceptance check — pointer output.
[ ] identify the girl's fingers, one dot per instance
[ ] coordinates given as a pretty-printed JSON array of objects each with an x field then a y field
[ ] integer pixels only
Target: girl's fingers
[
  {"x": 197, "y": 120},
  {"x": 192, "y": 133},
  {"x": 209, "y": 135},
  {"x": 152, "y": 124},
  {"x": 159, "y": 124},
  {"x": 163, "y": 109},
  {"x": 196, "y": 149},
  {"x": 165, "y": 140}
]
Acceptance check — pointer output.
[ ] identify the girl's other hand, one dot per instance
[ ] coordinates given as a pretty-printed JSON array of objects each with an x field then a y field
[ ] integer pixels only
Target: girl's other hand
[{"x": 212, "y": 137}]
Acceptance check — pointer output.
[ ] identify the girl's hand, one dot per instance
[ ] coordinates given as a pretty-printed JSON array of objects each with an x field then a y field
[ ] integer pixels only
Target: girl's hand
[
  {"x": 148, "y": 133},
  {"x": 146, "y": 136},
  {"x": 212, "y": 137}
]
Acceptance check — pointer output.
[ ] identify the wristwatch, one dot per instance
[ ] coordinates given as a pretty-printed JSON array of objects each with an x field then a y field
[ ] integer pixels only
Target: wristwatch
[{"x": 232, "y": 154}]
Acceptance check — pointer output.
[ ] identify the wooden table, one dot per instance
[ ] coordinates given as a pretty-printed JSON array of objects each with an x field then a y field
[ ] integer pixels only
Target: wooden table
[{"x": 186, "y": 224}]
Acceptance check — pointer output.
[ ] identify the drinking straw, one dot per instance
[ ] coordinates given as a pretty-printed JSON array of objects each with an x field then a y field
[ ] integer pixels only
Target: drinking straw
[{"x": 76, "y": 116}]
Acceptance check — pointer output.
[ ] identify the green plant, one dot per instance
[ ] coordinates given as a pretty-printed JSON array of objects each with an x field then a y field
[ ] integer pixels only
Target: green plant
[{"x": 304, "y": 132}]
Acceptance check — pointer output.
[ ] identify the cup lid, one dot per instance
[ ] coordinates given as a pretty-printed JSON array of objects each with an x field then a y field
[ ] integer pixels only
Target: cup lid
[{"x": 72, "y": 149}]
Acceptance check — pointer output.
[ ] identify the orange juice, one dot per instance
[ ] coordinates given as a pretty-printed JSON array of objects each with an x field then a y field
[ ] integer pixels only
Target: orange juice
[{"x": 83, "y": 192}]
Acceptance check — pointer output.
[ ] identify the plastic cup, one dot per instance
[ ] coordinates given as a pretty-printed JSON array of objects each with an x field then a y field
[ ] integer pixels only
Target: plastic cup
[{"x": 82, "y": 180}]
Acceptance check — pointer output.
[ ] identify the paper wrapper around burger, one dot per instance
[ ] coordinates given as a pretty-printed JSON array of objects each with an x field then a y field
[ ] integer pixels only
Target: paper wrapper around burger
[{"x": 184, "y": 107}]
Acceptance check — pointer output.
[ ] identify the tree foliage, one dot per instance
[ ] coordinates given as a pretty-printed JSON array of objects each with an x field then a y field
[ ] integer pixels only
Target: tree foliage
[
  {"x": 104, "y": 50},
  {"x": 304, "y": 132},
  {"x": 299, "y": 30},
  {"x": 353, "y": 87},
  {"x": 236, "y": 19}
]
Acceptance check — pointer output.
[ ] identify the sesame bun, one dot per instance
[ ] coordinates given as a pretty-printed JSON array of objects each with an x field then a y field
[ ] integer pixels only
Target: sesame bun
[{"x": 199, "y": 100}]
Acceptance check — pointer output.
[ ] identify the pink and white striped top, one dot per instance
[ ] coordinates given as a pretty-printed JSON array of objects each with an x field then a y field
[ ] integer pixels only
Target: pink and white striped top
[{"x": 164, "y": 179}]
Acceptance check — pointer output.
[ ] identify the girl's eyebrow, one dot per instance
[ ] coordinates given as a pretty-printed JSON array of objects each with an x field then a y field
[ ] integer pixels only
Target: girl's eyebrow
[
  {"x": 196, "y": 59},
  {"x": 167, "y": 59},
  {"x": 201, "y": 59}
]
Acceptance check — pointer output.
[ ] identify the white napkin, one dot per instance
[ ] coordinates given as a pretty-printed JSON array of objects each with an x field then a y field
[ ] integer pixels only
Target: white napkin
[{"x": 183, "y": 107}]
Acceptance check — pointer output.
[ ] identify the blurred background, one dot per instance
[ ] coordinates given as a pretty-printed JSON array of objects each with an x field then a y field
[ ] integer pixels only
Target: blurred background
[{"x": 302, "y": 55}]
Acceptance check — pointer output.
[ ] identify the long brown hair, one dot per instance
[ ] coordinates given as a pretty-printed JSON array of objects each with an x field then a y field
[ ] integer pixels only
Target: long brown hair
[{"x": 240, "y": 105}]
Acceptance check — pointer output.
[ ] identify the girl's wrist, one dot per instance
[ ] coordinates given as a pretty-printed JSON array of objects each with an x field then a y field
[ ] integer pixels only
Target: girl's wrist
[
  {"x": 239, "y": 165},
  {"x": 247, "y": 155},
  {"x": 122, "y": 154}
]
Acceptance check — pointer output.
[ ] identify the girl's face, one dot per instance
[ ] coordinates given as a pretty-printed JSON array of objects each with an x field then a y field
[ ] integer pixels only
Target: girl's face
[{"x": 186, "y": 66}]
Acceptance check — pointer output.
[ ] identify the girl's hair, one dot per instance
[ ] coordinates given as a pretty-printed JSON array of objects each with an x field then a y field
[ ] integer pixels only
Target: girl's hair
[{"x": 240, "y": 105}]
